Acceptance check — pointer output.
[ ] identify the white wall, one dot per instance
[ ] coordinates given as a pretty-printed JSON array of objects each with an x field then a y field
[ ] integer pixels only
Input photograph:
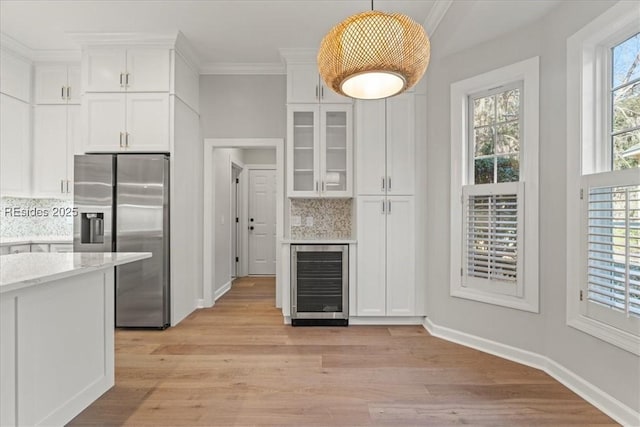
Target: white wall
[
  {"x": 259, "y": 157},
  {"x": 611, "y": 369},
  {"x": 252, "y": 106},
  {"x": 222, "y": 158}
]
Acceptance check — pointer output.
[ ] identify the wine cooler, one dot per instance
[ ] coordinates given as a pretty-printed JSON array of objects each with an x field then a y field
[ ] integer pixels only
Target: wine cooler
[{"x": 319, "y": 285}]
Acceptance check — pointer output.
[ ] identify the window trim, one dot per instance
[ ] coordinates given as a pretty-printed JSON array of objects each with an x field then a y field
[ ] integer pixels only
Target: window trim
[
  {"x": 526, "y": 71},
  {"x": 588, "y": 120}
]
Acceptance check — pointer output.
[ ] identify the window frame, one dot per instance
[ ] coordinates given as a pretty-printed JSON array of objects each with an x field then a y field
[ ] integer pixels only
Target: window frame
[
  {"x": 527, "y": 72},
  {"x": 589, "y": 154}
]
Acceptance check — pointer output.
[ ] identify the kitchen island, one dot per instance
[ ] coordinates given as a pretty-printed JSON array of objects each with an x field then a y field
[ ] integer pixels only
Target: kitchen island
[{"x": 56, "y": 334}]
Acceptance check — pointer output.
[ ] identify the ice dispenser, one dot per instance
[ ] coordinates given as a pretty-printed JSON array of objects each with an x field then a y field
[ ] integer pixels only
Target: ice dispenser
[{"x": 92, "y": 227}]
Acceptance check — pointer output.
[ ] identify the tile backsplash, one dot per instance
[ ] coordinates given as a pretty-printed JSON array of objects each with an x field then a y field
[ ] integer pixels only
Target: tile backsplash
[
  {"x": 321, "y": 218},
  {"x": 35, "y": 217}
]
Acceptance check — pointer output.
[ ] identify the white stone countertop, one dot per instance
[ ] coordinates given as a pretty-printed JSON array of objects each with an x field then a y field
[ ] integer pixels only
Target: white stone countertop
[
  {"x": 318, "y": 241},
  {"x": 18, "y": 271},
  {"x": 28, "y": 240}
]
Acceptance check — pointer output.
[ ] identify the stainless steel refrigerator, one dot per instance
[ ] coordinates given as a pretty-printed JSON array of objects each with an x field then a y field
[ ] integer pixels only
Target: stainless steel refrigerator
[{"x": 123, "y": 206}]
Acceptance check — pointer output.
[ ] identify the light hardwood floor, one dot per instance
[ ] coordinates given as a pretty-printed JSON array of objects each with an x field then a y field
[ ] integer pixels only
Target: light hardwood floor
[{"x": 237, "y": 364}]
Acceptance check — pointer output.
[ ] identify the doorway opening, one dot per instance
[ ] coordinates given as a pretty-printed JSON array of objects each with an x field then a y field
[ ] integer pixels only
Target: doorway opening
[{"x": 231, "y": 249}]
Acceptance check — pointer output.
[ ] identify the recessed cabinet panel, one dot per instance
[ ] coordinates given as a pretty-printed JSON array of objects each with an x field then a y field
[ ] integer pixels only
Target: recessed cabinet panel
[
  {"x": 74, "y": 138},
  {"x": 147, "y": 122},
  {"x": 15, "y": 147},
  {"x": 103, "y": 69},
  {"x": 401, "y": 284},
  {"x": 51, "y": 84},
  {"x": 371, "y": 286},
  {"x": 50, "y": 151},
  {"x": 401, "y": 159},
  {"x": 370, "y": 134},
  {"x": 15, "y": 76},
  {"x": 148, "y": 70},
  {"x": 105, "y": 120},
  {"x": 302, "y": 83},
  {"x": 74, "y": 80}
]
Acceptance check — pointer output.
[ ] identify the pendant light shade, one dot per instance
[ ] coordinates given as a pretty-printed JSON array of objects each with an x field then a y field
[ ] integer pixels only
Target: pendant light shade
[{"x": 374, "y": 55}]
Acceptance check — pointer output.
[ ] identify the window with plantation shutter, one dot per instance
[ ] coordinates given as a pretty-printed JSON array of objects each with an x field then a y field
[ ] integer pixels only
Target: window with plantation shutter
[
  {"x": 494, "y": 159},
  {"x": 493, "y": 230},
  {"x": 603, "y": 178}
]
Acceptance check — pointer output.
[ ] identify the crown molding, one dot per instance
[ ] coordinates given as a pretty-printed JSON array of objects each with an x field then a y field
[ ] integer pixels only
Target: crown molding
[
  {"x": 186, "y": 50},
  {"x": 435, "y": 15},
  {"x": 119, "y": 39},
  {"x": 16, "y": 47},
  {"x": 301, "y": 55},
  {"x": 243, "y": 68},
  {"x": 57, "y": 55}
]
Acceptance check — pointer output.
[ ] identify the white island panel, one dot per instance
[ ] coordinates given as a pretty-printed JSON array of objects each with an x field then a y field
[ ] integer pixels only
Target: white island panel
[{"x": 56, "y": 334}]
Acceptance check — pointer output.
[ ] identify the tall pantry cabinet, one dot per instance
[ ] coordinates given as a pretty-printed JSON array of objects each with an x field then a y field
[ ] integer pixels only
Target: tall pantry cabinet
[
  {"x": 56, "y": 128},
  {"x": 386, "y": 223},
  {"x": 15, "y": 124}
]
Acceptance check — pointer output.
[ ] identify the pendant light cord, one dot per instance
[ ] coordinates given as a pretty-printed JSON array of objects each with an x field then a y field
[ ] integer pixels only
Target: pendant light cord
[{"x": 371, "y": 4}]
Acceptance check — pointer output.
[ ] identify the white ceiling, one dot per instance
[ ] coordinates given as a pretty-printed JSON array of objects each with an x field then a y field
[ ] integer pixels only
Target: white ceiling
[{"x": 247, "y": 32}]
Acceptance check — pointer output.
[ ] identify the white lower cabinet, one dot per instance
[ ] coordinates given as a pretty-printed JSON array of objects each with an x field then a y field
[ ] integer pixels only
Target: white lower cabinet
[
  {"x": 386, "y": 256},
  {"x": 55, "y": 141},
  {"x": 126, "y": 122}
]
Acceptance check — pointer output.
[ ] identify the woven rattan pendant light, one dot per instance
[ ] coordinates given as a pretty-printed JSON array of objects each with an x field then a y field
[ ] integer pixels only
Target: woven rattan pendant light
[{"x": 374, "y": 55}]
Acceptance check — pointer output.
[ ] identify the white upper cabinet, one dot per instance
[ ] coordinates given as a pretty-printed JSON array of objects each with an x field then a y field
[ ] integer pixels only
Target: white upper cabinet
[
  {"x": 319, "y": 156},
  {"x": 57, "y": 84},
  {"x": 15, "y": 147},
  {"x": 132, "y": 122},
  {"x": 126, "y": 70},
  {"x": 304, "y": 85},
  {"x": 15, "y": 76},
  {"x": 385, "y": 145}
]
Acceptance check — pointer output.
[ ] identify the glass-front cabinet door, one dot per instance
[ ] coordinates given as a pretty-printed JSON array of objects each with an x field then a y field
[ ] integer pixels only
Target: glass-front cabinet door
[
  {"x": 305, "y": 159},
  {"x": 319, "y": 150},
  {"x": 335, "y": 141}
]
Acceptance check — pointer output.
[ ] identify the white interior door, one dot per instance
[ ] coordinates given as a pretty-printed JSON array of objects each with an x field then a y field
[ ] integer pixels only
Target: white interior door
[{"x": 262, "y": 222}]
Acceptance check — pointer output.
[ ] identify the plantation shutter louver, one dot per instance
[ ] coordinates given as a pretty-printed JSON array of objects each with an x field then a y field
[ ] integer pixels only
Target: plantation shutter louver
[
  {"x": 492, "y": 237},
  {"x": 613, "y": 248}
]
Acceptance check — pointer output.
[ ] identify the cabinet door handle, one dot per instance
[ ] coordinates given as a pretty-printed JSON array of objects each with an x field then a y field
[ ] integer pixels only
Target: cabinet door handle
[
  {"x": 321, "y": 92},
  {"x": 389, "y": 210},
  {"x": 126, "y": 139},
  {"x": 383, "y": 207},
  {"x": 68, "y": 92},
  {"x": 383, "y": 181},
  {"x": 121, "y": 84},
  {"x": 323, "y": 186},
  {"x": 316, "y": 185},
  {"x": 121, "y": 136},
  {"x": 316, "y": 91},
  {"x": 126, "y": 79},
  {"x": 62, "y": 186},
  {"x": 389, "y": 184},
  {"x": 67, "y": 186},
  {"x": 62, "y": 93}
]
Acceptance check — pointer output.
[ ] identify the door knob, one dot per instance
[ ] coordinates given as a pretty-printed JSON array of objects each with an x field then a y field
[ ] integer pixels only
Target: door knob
[
  {"x": 251, "y": 228},
  {"x": 251, "y": 219}
]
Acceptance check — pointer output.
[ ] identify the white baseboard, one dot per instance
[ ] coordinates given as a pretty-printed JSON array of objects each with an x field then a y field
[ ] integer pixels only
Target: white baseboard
[
  {"x": 200, "y": 303},
  {"x": 223, "y": 290},
  {"x": 374, "y": 320},
  {"x": 617, "y": 410}
]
